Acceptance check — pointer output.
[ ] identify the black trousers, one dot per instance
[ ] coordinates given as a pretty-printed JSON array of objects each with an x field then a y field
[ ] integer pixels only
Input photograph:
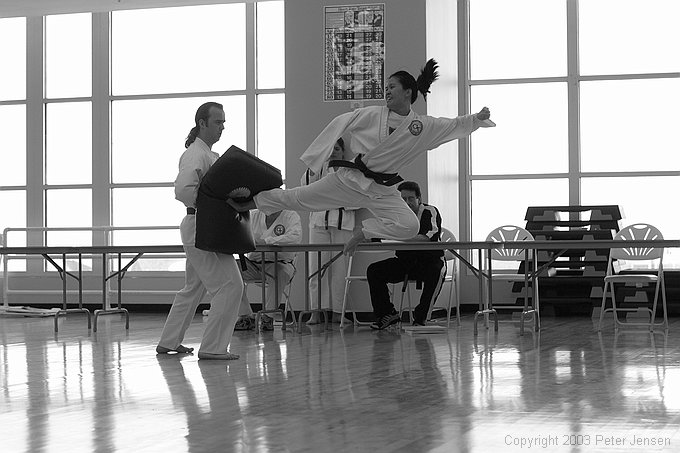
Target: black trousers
[{"x": 394, "y": 270}]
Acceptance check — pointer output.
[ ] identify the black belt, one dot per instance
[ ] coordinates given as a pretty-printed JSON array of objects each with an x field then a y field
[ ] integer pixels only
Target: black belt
[
  {"x": 191, "y": 211},
  {"x": 244, "y": 259},
  {"x": 384, "y": 179},
  {"x": 325, "y": 219},
  {"x": 271, "y": 262}
]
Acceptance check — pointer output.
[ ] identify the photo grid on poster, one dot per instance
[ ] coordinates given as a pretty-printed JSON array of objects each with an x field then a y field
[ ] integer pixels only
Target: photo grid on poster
[{"x": 354, "y": 52}]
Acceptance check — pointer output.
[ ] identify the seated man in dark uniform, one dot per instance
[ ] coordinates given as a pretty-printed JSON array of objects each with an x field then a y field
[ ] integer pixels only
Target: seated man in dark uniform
[{"x": 426, "y": 266}]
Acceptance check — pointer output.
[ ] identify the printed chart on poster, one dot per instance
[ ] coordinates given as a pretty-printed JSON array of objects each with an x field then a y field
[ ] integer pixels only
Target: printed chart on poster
[{"x": 354, "y": 52}]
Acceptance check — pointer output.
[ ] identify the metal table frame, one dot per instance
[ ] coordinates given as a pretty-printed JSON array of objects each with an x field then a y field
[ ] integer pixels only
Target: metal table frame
[{"x": 454, "y": 247}]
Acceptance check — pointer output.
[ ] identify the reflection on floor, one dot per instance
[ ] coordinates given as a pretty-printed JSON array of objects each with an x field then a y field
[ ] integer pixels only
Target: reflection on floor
[{"x": 567, "y": 389}]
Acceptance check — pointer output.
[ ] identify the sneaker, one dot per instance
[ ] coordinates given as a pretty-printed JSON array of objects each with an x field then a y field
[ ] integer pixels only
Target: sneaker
[
  {"x": 385, "y": 321},
  {"x": 266, "y": 323},
  {"x": 418, "y": 323},
  {"x": 245, "y": 323}
]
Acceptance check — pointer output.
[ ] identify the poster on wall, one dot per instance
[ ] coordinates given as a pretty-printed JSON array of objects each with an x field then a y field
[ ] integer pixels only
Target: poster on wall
[{"x": 354, "y": 52}]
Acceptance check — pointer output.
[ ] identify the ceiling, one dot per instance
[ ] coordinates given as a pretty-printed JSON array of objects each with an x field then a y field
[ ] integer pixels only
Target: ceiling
[{"x": 20, "y": 8}]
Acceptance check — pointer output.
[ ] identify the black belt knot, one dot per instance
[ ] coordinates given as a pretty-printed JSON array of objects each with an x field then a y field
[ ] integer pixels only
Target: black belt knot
[
  {"x": 384, "y": 179},
  {"x": 191, "y": 211}
]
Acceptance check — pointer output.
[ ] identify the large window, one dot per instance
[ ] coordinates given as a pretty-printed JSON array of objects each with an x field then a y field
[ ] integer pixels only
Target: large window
[
  {"x": 152, "y": 156},
  {"x": 13, "y": 132},
  {"x": 68, "y": 143},
  {"x": 524, "y": 38},
  {"x": 628, "y": 37},
  {"x": 159, "y": 79},
  {"x": 17, "y": 218},
  {"x": 68, "y": 55},
  {"x": 95, "y": 114},
  {"x": 179, "y": 50},
  {"x": 13, "y": 55},
  {"x": 60, "y": 213},
  {"x": 512, "y": 148},
  {"x": 271, "y": 129},
  {"x": 585, "y": 99},
  {"x": 270, "y": 45},
  {"x": 631, "y": 136}
]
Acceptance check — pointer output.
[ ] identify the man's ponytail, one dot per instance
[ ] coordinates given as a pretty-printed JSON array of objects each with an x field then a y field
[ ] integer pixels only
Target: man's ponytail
[{"x": 193, "y": 133}]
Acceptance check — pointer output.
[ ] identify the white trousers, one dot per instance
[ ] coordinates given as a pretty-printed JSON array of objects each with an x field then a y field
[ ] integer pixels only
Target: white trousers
[
  {"x": 218, "y": 274},
  {"x": 393, "y": 219},
  {"x": 333, "y": 281}
]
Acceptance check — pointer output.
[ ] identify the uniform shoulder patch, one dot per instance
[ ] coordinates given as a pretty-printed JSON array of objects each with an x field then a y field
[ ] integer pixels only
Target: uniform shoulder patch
[
  {"x": 416, "y": 127},
  {"x": 279, "y": 230}
]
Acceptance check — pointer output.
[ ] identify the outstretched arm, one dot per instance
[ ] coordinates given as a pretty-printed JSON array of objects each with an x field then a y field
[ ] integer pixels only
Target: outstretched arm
[
  {"x": 444, "y": 130},
  {"x": 483, "y": 119}
]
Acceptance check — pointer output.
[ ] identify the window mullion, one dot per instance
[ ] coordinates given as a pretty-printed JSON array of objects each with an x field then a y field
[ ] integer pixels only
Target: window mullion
[
  {"x": 35, "y": 124},
  {"x": 464, "y": 168},
  {"x": 573, "y": 108},
  {"x": 251, "y": 70},
  {"x": 101, "y": 117}
]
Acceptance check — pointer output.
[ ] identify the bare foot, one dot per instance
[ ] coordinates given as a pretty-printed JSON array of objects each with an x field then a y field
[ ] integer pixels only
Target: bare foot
[
  {"x": 210, "y": 356},
  {"x": 179, "y": 350},
  {"x": 351, "y": 245}
]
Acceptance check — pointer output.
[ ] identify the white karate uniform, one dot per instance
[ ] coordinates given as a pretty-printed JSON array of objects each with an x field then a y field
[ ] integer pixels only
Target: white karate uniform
[
  {"x": 328, "y": 227},
  {"x": 382, "y": 152},
  {"x": 286, "y": 229},
  {"x": 216, "y": 273}
]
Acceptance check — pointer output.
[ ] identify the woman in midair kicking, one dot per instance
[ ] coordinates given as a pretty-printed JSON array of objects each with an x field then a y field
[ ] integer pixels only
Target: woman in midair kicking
[{"x": 386, "y": 138}]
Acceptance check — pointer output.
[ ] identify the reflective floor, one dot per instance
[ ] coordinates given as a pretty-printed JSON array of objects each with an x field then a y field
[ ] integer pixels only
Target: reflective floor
[{"x": 567, "y": 389}]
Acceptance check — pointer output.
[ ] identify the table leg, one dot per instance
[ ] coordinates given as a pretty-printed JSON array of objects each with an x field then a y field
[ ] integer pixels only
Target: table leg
[{"x": 487, "y": 302}]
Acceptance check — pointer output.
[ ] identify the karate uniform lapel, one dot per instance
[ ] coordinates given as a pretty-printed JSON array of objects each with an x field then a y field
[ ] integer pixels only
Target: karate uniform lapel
[{"x": 390, "y": 141}]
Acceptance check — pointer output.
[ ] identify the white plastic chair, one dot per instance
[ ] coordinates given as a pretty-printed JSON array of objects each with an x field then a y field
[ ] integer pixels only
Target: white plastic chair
[
  {"x": 350, "y": 278},
  {"x": 653, "y": 257},
  {"x": 529, "y": 277},
  {"x": 286, "y": 295},
  {"x": 451, "y": 278}
]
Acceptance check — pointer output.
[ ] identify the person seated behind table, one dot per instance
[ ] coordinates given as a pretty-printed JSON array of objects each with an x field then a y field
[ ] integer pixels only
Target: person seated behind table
[
  {"x": 426, "y": 266},
  {"x": 282, "y": 227}
]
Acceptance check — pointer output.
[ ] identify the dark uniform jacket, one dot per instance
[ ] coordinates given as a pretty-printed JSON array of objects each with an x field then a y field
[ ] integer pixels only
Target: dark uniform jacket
[{"x": 431, "y": 226}]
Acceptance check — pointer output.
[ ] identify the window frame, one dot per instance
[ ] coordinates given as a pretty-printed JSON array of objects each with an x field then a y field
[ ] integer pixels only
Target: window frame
[
  {"x": 574, "y": 175},
  {"x": 101, "y": 100}
]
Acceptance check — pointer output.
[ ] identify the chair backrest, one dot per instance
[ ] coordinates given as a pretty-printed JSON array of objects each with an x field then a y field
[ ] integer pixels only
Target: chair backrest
[
  {"x": 448, "y": 236},
  {"x": 351, "y": 261},
  {"x": 638, "y": 231},
  {"x": 508, "y": 233}
]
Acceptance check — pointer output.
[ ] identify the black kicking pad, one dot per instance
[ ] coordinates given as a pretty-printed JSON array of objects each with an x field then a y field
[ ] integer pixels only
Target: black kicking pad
[{"x": 239, "y": 175}]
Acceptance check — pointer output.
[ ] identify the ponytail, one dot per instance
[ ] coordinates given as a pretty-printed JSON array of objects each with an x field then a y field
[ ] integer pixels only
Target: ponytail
[
  {"x": 427, "y": 75},
  {"x": 193, "y": 133},
  {"x": 203, "y": 113}
]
